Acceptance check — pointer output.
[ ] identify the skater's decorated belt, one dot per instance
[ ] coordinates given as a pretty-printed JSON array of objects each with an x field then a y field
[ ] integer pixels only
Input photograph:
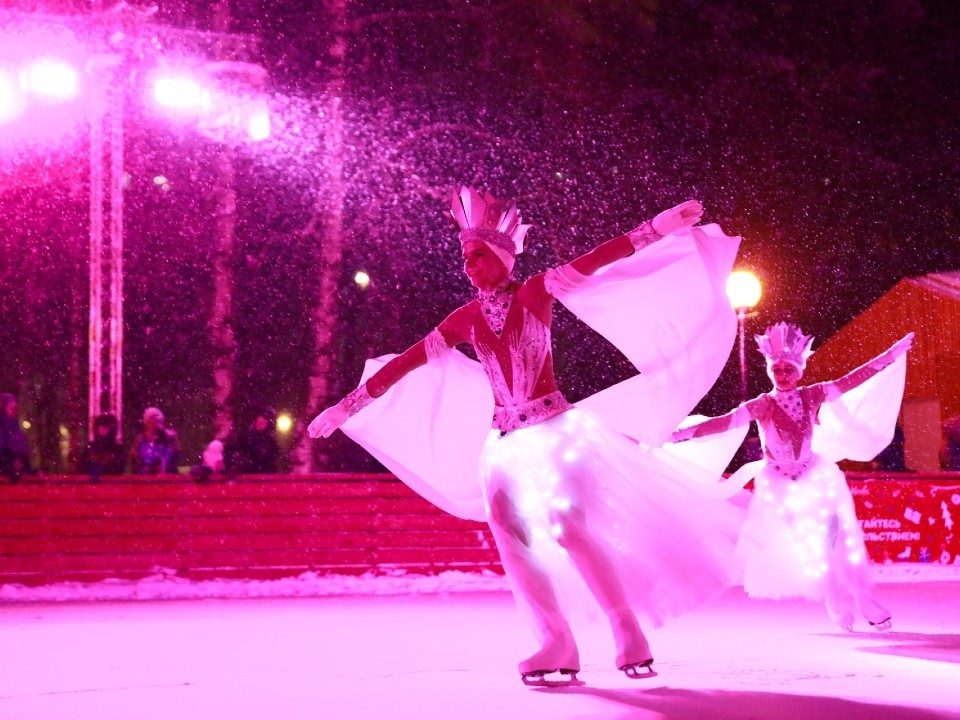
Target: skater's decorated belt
[{"x": 508, "y": 419}]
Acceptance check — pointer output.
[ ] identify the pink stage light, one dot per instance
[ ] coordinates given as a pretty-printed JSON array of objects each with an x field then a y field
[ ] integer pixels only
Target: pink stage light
[
  {"x": 180, "y": 93},
  {"x": 52, "y": 79}
]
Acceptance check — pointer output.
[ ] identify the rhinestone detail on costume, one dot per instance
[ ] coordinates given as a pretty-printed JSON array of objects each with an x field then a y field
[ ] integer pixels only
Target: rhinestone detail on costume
[{"x": 495, "y": 306}]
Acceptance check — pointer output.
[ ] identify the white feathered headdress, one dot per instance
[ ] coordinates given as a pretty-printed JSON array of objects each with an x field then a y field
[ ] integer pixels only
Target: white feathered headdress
[
  {"x": 494, "y": 222},
  {"x": 785, "y": 342}
]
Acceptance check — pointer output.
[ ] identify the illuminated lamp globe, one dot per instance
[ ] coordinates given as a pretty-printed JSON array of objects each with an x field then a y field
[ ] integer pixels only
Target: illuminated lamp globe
[{"x": 743, "y": 289}]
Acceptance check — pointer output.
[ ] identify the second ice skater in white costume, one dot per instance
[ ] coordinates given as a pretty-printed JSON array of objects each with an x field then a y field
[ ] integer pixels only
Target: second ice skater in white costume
[
  {"x": 567, "y": 488},
  {"x": 801, "y": 537}
]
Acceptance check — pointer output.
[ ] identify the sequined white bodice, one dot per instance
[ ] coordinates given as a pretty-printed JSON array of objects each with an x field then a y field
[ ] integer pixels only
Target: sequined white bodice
[
  {"x": 787, "y": 432},
  {"x": 513, "y": 361}
]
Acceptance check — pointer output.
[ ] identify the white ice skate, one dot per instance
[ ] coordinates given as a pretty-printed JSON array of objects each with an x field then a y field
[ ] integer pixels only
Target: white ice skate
[
  {"x": 555, "y": 665},
  {"x": 634, "y": 658}
]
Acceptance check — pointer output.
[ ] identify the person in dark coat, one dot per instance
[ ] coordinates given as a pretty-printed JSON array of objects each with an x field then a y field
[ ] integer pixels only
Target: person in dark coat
[
  {"x": 14, "y": 450},
  {"x": 104, "y": 454},
  {"x": 950, "y": 447},
  {"x": 892, "y": 458},
  {"x": 256, "y": 450}
]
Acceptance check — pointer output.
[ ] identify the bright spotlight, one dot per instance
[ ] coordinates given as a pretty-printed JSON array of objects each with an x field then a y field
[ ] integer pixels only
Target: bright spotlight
[
  {"x": 52, "y": 79},
  {"x": 11, "y": 99},
  {"x": 179, "y": 92},
  {"x": 284, "y": 423},
  {"x": 361, "y": 279},
  {"x": 258, "y": 125},
  {"x": 743, "y": 289}
]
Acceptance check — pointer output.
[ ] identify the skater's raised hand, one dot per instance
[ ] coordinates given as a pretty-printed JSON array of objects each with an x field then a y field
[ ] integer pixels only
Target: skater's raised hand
[
  {"x": 866, "y": 371},
  {"x": 330, "y": 419},
  {"x": 326, "y": 422},
  {"x": 902, "y": 345},
  {"x": 895, "y": 351},
  {"x": 670, "y": 221},
  {"x": 680, "y": 217}
]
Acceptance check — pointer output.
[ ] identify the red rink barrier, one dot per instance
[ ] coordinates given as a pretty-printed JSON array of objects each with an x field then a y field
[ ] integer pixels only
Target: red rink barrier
[
  {"x": 58, "y": 528},
  {"x": 909, "y": 518}
]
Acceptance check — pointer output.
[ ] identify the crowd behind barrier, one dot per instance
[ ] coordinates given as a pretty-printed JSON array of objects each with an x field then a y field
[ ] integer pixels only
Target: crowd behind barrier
[{"x": 155, "y": 450}]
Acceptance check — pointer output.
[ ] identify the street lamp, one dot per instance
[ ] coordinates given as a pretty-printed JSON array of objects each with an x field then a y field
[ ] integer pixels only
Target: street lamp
[{"x": 743, "y": 291}]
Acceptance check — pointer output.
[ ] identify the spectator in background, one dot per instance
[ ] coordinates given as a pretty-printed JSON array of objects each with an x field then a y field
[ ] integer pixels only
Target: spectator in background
[
  {"x": 950, "y": 446},
  {"x": 14, "y": 451},
  {"x": 155, "y": 450},
  {"x": 891, "y": 458},
  {"x": 256, "y": 450},
  {"x": 103, "y": 455},
  {"x": 211, "y": 462}
]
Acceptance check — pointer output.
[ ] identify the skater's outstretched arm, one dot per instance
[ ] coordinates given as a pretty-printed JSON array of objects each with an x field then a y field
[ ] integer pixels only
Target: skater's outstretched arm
[
  {"x": 866, "y": 371},
  {"x": 679, "y": 217},
  {"x": 454, "y": 330},
  {"x": 743, "y": 414}
]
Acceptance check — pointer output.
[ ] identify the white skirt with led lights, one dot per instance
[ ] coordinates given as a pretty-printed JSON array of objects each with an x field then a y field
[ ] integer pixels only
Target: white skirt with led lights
[
  {"x": 672, "y": 548},
  {"x": 801, "y": 535}
]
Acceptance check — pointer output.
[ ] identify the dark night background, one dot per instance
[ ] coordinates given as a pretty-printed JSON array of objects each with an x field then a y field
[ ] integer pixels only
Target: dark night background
[{"x": 825, "y": 133}]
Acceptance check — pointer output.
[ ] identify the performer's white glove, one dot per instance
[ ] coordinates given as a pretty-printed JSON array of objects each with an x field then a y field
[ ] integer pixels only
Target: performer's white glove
[
  {"x": 333, "y": 417},
  {"x": 686, "y": 214},
  {"x": 895, "y": 351},
  {"x": 679, "y": 217}
]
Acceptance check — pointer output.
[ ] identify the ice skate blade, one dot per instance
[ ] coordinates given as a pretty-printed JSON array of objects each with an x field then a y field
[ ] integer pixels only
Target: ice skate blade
[
  {"x": 883, "y": 625},
  {"x": 558, "y": 677},
  {"x": 845, "y": 623},
  {"x": 639, "y": 671}
]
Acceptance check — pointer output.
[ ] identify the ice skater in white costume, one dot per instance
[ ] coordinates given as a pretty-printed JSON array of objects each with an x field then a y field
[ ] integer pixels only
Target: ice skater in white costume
[
  {"x": 801, "y": 537},
  {"x": 562, "y": 487}
]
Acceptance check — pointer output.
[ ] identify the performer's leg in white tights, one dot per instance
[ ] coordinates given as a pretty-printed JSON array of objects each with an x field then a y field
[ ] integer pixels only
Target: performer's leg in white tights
[
  {"x": 849, "y": 585},
  {"x": 535, "y": 588},
  {"x": 598, "y": 571}
]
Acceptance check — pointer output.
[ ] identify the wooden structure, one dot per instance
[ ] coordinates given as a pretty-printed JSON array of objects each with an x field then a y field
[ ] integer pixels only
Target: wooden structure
[{"x": 930, "y": 307}]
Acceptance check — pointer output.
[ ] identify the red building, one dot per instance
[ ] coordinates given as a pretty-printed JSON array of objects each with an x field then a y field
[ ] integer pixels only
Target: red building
[{"x": 930, "y": 307}]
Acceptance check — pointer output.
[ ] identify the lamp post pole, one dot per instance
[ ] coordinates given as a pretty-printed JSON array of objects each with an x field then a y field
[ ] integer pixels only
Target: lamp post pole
[
  {"x": 742, "y": 322},
  {"x": 743, "y": 291},
  {"x": 106, "y": 260}
]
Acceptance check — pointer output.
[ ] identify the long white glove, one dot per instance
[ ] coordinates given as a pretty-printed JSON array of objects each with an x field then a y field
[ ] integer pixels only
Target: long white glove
[
  {"x": 896, "y": 350},
  {"x": 686, "y": 214},
  {"x": 333, "y": 417}
]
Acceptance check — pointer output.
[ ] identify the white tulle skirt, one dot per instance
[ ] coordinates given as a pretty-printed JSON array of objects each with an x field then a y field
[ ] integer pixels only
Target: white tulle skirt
[
  {"x": 671, "y": 547},
  {"x": 802, "y": 536}
]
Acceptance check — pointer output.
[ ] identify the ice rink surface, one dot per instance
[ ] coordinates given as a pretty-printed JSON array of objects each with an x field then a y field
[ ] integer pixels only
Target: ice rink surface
[{"x": 453, "y": 655}]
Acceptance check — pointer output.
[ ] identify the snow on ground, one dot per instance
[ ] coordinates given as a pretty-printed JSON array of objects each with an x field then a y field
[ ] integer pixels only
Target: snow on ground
[
  {"x": 166, "y": 585},
  {"x": 435, "y": 652}
]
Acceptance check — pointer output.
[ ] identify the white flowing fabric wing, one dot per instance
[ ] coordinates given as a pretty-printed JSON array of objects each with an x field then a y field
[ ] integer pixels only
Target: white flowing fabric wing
[
  {"x": 860, "y": 424},
  {"x": 665, "y": 308},
  {"x": 429, "y": 429},
  {"x": 710, "y": 452}
]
